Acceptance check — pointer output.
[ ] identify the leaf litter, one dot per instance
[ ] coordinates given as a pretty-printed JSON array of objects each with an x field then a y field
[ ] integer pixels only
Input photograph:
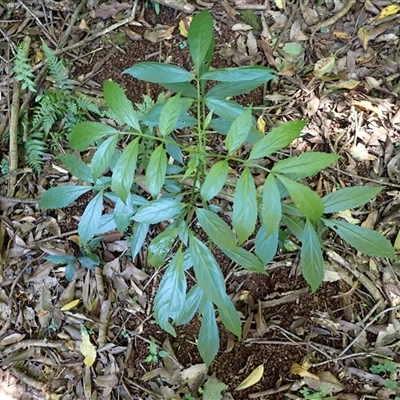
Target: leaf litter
[{"x": 343, "y": 78}]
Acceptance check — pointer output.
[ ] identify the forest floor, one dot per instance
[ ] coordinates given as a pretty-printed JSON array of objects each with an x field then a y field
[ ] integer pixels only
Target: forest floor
[{"x": 338, "y": 66}]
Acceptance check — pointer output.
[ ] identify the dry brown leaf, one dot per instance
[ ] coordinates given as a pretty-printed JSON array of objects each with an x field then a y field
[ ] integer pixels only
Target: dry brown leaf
[
  {"x": 326, "y": 380},
  {"x": 360, "y": 153},
  {"x": 108, "y": 10},
  {"x": 363, "y": 37}
]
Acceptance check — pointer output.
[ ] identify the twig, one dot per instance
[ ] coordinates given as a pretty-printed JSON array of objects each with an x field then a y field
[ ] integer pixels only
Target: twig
[
  {"x": 330, "y": 21},
  {"x": 14, "y": 118},
  {"x": 377, "y": 316}
]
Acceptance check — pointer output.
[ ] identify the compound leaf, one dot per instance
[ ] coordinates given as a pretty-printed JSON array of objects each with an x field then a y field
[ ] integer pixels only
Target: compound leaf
[
  {"x": 216, "y": 228},
  {"x": 244, "y": 216},
  {"x": 364, "y": 240},
  {"x": 120, "y": 105},
  {"x": 277, "y": 139},
  {"x": 62, "y": 196},
  {"x": 305, "y": 165},
  {"x": 156, "y": 170},
  {"x": 208, "y": 341},
  {"x": 90, "y": 219},
  {"x": 306, "y": 201},
  {"x": 155, "y": 72},
  {"x": 238, "y": 131},
  {"x": 124, "y": 170},
  {"x": 170, "y": 299},
  {"x": 271, "y": 211},
  {"x": 84, "y": 134},
  {"x": 311, "y": 260},
  {"x": 215, "y": 180},
  {"x": 348, "y": 198}
]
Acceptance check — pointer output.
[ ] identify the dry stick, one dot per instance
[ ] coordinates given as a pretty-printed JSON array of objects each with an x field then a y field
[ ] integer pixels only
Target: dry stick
[
  {"x": 330, "y": 21},
  {"x": 13, "y": 147}
]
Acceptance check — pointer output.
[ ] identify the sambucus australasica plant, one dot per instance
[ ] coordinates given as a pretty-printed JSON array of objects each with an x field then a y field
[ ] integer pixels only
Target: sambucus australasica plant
[{"x": 180, "y": 180}]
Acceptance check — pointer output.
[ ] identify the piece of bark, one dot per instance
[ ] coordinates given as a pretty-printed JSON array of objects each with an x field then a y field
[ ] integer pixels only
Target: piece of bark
[{"x": 180, "y": 5}]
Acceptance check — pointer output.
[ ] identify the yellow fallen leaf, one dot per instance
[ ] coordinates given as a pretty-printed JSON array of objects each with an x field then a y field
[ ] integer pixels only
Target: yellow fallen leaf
[
  {"x": 388, "y": 11},
  {"x": 184, "y": 24},
  {"x": 281, "y": 4},
  {"x": 69, "y": 306},
  {"x": 87, "y": 349},
  {"x": 297, "y": 369},
  {"x": 261, "y": 124},
  {"x": 363, "y": 37},
  {"x": 341, "y": 35},
  {"x": 253, "y": 378}
]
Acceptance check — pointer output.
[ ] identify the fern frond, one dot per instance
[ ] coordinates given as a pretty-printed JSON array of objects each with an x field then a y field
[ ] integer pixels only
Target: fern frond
[
  {"x": 58, "y": 70},
  {"x": 22, "y": 70},
  {"x": 35, "y": 148}
]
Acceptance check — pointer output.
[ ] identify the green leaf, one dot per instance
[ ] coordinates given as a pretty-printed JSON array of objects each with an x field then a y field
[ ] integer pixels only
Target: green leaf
[
  {"x": 156, "y": 170},
  {"x": 271, "y": 211},
  {"x": 140, "y": 231},
  {"x": 277, "y": 139},
  {"x": 244, "y": 216},
  {"x": 159, "y": 210},
  {"x": 77, "y": 167},
  {"x": 226, "y": 109},
  {"x": 208, "y": 274},
  {"x": 240, "y": 74},
  {"x": 116, "y": 99},
  {"x": 266, "y": 246},
  {"x": 311, "y": 260},
  {"x": 295, "y": 225},
  {"x": 364, "y": 240},
  {"x": 200, "y": 37},
  {"x": 192, "y": 302},
  {"x": 208, "y": 341},
  {"x": 159, "y": 73},
  {"x": 90, "y": 219},
  {"x": 230, "y": 318},
  {"x": 348, "y": 198},
  {"x": 67, "y": 259},
  {"x": 238, "y": 131},
  {"x": 244, "y": 258},
  {"x": 161, "y": 245},
  {"x": 230, "y": 89},
  {"x": 102, "y": 157},
  {"x": 305, "y": 165},
  {"x": 122, "y": 214},
  {"x": 169, "y": 115},
  {"x": 185, "y": 88},
  {"x": 306, "y": 201},
  {"x": 215, "y": 180},
  {"x": 69, "y": 272},
  {"x": 62, "y": 196},
  {"x": 213, "y": 388},
  {"x": 171, "y": 295},
  {"x": 216, "y": 229},
  {"x": 84, "y": 134},
  {"x": 124, "y": 170}
]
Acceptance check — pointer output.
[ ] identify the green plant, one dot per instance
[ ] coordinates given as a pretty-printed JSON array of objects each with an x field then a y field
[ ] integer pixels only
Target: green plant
[
  {"x": 154, "y": 4},
  {"x": 88, "y": 259},
  {"x": 313, "y": 395},
  {"x": 56, "y": 110},
  {"x": 184, "y": 175},
  {"x": 388, "y": 368},
  {"x": 22, "y": 70},
  {"x": 154, "y": 352}
]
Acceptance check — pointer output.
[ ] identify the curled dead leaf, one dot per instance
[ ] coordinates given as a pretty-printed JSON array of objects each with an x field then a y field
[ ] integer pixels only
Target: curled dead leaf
[{"x": 253, "y": 378}]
